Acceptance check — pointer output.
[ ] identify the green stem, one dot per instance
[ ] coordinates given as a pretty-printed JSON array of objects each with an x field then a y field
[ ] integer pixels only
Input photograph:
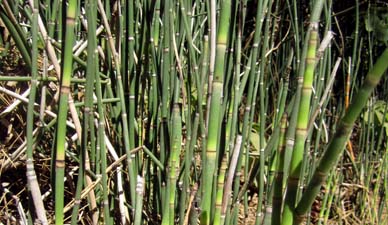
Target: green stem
[
  {"x": 63, "y": 109},
  {"x": 32, "y": 182},
  {"x": 343, "y": 131},
  {"x": 214, "y": 117},
  {"x": 303, "y": 117}
]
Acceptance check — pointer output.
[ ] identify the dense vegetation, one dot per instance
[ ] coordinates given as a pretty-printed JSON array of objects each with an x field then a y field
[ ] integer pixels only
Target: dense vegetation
[{"x": 187, "y": 112}]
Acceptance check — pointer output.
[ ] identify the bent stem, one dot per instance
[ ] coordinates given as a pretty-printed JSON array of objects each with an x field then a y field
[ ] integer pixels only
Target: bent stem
[{"x": 343, "y": 131}]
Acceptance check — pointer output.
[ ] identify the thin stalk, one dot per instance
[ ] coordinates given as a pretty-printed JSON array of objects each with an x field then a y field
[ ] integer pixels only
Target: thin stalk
[
  {"x": 212, "y": 57},
  {"x": 331, "y": 196},
  {"x": 325, "y": 210},
  {"x": 124, "y": 117},
  {"x": 32, "y": 183},
  {"x": 81, "y": 172},
  {"x": 235, "y": 96},
  {"x": 200, "y": 84},
  {"x": 229, "y": 180},
  {"x": 102, "y": 149},
  {"x": 132, "y": 74},
  {"x": 253, "y": 76},
  {"x": 88, "y": 117},
  {"x": 263, "y": 105},
  {"x": 353, "y": 68}
]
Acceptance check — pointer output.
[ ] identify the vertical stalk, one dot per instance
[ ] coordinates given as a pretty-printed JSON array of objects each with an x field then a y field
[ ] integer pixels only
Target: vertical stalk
[
  {"x": 88, "y": 122},
  {"x": 32, "y": 183},
  {"x": 252, "y": 75},
  {"x": 303, "y": 117},
  {"x": 220, "y": 191},
  {"x": 165, "y": 97},
  {"x": 139, "y": 200},
  {"x": 213, "y": 46},
  {"x": 101, "y": 146},
  {"x": 278, "y": 182},
  {"x": 53, "y": 16},
  {"x": 262, "y": 72},
  {"x": 173, "y": 164},
  {"x": 67, "y": 66},
  {"x": 124, "y": 116},
  {"x": 214, "y": 116},
  {"x": 132, "y": 74}
]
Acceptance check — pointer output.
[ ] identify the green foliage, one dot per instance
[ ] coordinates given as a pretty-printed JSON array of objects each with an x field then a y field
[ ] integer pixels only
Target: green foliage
[
  {"x": 379, "y": 115},
  {"x": 255, "y": 137},
  {"x": 376, "y": 21}
]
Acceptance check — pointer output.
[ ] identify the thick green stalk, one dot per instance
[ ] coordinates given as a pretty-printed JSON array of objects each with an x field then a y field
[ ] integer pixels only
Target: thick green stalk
[
  {"x": 165, "y": 67},
  {"x": 67, "y": 70},
  {"x": 343, "y": 131},
  {"x": 278, "y": 182},
  {"x": 169, "y": 218},
  {"x": 139, "y": 200},
  {"x": 51, "y": 21},
  {"x": 303, "y": 117},
  {"x": 220, "y": 191},
  {"x": 214, "y": 116},
  {"x": 300, "y": 66}
]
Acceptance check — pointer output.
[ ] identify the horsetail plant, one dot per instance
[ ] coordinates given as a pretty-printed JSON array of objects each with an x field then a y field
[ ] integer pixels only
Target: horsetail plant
[
  {"x": 33, "y": 186},
  {"x": 173, "y": 163},
  {"x": 214, "y": 116},
  {"x": 343, "y": 131},
  {"x": 303, "y": 115},
  {"x": 67, "y": 70},
  {"x": 185, "y": 112},
  {"x": 278, "y": 181},
  {"x": 124, "y": 116}
]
